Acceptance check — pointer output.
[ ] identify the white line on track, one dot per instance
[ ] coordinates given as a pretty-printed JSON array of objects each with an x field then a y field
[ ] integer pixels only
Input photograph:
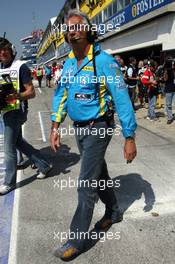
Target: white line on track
[
  {"x": 42, "y": 127},
  {"x": 39, "y": 90},
  {"x": 15, "y": 219},
  {"x": 15, "y": 225}
]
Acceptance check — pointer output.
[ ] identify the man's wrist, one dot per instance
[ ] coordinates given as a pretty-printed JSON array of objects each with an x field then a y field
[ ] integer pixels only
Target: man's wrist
[
  {"x": 55, "y": 127},
  {"x": 130, "y": 138},
  {"x": 55, "y": 130}
]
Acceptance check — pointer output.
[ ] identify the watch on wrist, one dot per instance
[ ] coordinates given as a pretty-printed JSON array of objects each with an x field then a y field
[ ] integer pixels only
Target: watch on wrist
[{"x": 130, "y": 138}]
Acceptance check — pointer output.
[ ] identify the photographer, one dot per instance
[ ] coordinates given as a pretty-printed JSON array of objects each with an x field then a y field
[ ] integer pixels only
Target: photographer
[
  {"x": 149, "y": 80},
  {"x": 14, "y": 107},
  {"x": 131, "y": 79}
]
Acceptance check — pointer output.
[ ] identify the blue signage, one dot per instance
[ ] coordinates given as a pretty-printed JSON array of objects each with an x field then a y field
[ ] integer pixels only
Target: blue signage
[{"x": 136, "y": 10}]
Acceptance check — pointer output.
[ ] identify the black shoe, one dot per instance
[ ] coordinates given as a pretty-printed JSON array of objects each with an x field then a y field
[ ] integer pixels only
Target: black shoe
[
  {"x": 67, "y": 252},
  {"x": 23, "y": 164},
  {"x": 170, "y": 121},
  {"x": 106, "y": 222}
]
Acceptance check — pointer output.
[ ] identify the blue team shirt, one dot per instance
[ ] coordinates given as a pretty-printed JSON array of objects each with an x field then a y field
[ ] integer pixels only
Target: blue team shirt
[{"x": 85, "y": 96}]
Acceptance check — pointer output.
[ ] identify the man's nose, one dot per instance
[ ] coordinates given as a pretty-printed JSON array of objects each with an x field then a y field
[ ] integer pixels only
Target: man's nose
[{"x": 2, "y": 52}]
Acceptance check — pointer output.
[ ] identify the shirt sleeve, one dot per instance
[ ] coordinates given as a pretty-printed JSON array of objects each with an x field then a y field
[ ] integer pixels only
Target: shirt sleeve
[
  {"x": 25, "y": 74},
  {"x": 130, "y": 72},
  {"x": 118, "y": 89},
  {"x": 59, "y": 104}
]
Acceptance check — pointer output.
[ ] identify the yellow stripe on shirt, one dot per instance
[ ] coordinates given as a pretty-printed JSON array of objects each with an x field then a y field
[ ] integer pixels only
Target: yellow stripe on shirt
[
  {"x": 102, "y": 99},
  {"x": 90, "y": 53},
  {"x": 59, "y": 114}
]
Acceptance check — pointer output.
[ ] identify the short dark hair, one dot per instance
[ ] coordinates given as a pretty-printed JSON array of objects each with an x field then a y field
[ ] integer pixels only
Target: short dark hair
[
  {"x": 4, "y": 43},
  {"x": 131, "y": 59},
  {"x": 152, "y": 63}
]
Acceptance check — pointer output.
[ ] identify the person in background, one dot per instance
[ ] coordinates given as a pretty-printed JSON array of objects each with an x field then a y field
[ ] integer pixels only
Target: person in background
[
  {"x": 54, "y": 69},
  {"x": 15, "y": 112},
  {"x": 141, "y": 87},
  {"x": 34, "y": 73},
  {"x": 123, "y": 66},
  {"x": 149, "y": 80},
  {"x": 132, "y": 79},
  {"x": 48, "y": 74},
  {"x": 39, "y": 74},
  {"x": 58, "y": 73},
  {"x": 124, "y": 69},
  {"x": 169, "y": 76},
  {"x": 118, "y": 58}
]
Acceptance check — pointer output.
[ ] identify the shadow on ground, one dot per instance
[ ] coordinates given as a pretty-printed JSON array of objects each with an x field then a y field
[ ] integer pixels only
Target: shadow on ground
[
  {"x": 132, "y": 187},
  {"x": 61, "y": 161}
]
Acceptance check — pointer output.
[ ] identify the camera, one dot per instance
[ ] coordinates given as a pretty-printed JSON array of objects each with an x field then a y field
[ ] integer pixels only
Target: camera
[{"x": 6, "y": 89}]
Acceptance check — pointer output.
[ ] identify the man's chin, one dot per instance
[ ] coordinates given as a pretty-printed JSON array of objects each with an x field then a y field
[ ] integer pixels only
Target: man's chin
[{"x": 5, "y": 61}]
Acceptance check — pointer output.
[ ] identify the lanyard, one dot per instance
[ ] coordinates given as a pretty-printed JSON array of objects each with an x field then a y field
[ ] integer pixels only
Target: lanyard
[{"x": 95, "y": 70}]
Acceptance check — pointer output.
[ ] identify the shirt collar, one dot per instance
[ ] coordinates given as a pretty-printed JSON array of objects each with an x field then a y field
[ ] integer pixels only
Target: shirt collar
[{"x": 96, "y": 46}]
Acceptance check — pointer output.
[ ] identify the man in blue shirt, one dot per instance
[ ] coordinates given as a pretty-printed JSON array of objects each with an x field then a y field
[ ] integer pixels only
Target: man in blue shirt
[
  {"x": 90, "y": 104},
  {"x": 48, "y": 73}
]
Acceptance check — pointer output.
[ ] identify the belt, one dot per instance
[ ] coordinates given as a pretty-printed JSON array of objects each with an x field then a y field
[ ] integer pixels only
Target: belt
[{"x": 86, "y": 123}]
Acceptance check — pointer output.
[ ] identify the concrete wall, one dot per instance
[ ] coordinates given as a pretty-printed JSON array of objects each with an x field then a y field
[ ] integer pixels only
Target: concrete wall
[{"x": 158, "y": 31}]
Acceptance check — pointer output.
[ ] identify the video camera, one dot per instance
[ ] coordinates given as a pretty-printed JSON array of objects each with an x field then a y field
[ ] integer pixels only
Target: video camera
[{"x": 5, "y": 90}]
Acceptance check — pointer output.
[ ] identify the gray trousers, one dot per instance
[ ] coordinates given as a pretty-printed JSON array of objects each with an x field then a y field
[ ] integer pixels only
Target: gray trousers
[{"x": 93, "y": 170}]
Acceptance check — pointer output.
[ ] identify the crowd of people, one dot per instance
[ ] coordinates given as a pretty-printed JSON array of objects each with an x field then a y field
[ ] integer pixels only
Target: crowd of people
[
  {"x": 146, "y": 80},
  {"x": 48, "y": 73}
]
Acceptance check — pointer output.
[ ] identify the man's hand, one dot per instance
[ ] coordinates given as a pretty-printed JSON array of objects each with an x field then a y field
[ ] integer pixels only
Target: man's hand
[
  {"x": 29, "y": 92},
  {"x": 130, "y": 150},
  {"x": 11, "y": 98},
  {"x": 154, "y": 82},
  {"x": 55, "y": 140}
]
